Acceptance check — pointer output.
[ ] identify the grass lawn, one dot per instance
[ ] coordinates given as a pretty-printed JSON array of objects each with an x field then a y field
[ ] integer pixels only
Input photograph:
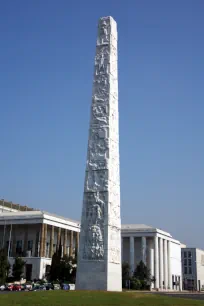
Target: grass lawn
[{"x": 86, "y": 298}]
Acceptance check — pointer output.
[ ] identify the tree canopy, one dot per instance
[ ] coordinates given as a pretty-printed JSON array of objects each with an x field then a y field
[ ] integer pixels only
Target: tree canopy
[
  {"x": 4, "y": 266},
  {"x": 18, "y": 268},
  {"x": 63, "y": 268},
  {"x": 142, "y": 272}
]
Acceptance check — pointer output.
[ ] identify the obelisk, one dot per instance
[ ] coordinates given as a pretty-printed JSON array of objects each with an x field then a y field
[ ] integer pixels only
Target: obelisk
[{"x": 99, "y": 257}]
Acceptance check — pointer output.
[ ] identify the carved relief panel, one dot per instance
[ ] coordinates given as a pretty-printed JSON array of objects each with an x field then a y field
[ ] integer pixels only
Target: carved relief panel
[
  {"x": 94, "y": 210},
  {"x": 97, "y": 180}
]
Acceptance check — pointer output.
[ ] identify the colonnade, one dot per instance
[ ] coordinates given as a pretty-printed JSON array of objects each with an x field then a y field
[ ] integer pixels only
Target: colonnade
[
  {"x": 159, "y": 261},
  {"x": 39, "y": 244},
  {"x": 63, "y": 236}
]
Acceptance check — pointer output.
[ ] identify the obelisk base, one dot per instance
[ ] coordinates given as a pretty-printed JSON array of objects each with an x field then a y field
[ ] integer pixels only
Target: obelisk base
[{"x": 95, "y": 276}]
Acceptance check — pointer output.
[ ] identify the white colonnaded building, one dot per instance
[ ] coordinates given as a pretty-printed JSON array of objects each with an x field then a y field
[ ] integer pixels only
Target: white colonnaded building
[
  {"x": 35, "y": 236},
  {"x": 158, "y": 250}
]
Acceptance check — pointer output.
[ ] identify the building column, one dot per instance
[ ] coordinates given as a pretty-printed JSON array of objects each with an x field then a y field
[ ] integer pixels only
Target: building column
[
  {"x": 42, "y": 240},
  {"x": 169, "y": 265},
  {"x": 65, "y": 242},
  {"x": 156, "y": 261},
  {"x": 52, "y": 236},
  {"x": 132, "y": 254},
  {"x": 165, "y": 265},
  {"x": 45, "y": 240},
  {"x": 161, "y": 263},
  {"x": 151, "y": 264},
  {"x": 71, "y": 244},
  {"x": 144, "y": 250},
  {"x": 58, "y": 237},
  {"x": 181, "y": 283}
]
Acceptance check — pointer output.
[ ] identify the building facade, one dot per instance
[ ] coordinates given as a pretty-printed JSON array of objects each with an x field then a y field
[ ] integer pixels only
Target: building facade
[
  {"x": 158, "y": 250},
  {"x": 193, "y": 269},
  {"x": 35, "y": 236}
]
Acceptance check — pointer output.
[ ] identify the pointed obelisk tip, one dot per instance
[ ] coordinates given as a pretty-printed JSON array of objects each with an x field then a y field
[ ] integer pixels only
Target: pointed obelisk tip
[{"x": 107, "y": 18}]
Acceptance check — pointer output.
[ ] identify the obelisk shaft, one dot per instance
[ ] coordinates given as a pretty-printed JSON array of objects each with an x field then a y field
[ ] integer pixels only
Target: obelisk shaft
[{"x": 99, "y": 258}]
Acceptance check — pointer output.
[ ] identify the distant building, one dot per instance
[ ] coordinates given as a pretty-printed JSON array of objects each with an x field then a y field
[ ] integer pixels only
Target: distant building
[
  {"x": 35, "y": 235},
  {"x": 158, "y": 250},
  {"x": 193, "y": 269}
]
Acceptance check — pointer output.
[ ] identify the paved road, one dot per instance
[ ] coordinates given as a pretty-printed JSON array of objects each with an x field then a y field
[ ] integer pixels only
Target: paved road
[{"x": 194, "y": 296}]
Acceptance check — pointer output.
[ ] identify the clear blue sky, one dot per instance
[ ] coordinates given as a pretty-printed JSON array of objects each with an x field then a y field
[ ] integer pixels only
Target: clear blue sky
[{"x": 46, "y": 69}]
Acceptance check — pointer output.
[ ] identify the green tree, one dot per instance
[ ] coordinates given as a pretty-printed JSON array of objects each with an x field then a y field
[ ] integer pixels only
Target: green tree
[
  {"x": 18, "y": 268},
  {"x": 125, "y": 273},
  {"x": 63, "y": 268},
  {"x": 135, "y": 284},
  {"x": 142, "y": 273},
  {"x": 4, "y": 266},
  {"x": 68, "y": 269},
  {"x": 55, "y": 267}
]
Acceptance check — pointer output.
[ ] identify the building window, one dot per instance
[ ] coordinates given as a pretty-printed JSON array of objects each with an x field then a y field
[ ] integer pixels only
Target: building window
[
  {"x": 185, "y": 262},
  {"x": 19, "y": 248},
  {"x": 189, "y": 255},
  {"x": 185, "y": 270},
  {"x": 47, "y": 270},
  {"x": 30, "y": 245},
  {"x": 189, "y": 262},
  {"x": 47, "y": 249},
  {"x": 185, "y": 254},
  {"x": 189, "y": 270}
]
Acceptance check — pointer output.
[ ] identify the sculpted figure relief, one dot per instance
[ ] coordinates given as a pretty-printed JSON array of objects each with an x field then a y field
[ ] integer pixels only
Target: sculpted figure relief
[
  {"x": 103, "y": 38},
  {"x": 95, "y": 209},
  {"x": 98, "y": 150},
  {"x": 97, "y": 180},
  {"x": 101, "y": 206},
  {"x": 98, "y": 134},
  {"x": 94, "y": 238},
  {"x": 101, "y": 88},
  {"x": 100, "y": 114},
  {"x": 102, "y": 50},
  {"x": 94, "y": 246},
  {"x": 102, "y": 66},
  {"x": 94, "y": 164}
]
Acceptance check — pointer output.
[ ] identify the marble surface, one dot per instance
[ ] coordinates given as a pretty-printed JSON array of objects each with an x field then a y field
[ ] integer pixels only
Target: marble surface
[{"x": 99, "y": 258}]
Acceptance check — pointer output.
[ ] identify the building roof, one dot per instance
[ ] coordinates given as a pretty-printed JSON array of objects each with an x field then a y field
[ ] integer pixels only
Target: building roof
[
  {"x": 29, "y": 215},
  {"x": 126, "y": 228},
  {"x": 14, "y": 206},
  {"x": 136, "y": 226}
]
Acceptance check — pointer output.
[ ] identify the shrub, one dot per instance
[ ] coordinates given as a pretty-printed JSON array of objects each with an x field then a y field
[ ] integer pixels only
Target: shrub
[{"x": 135, "y": 284}]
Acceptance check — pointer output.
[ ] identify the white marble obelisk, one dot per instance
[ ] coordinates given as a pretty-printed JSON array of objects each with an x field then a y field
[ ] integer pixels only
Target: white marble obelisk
[{"x": 99, "y": 258}]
